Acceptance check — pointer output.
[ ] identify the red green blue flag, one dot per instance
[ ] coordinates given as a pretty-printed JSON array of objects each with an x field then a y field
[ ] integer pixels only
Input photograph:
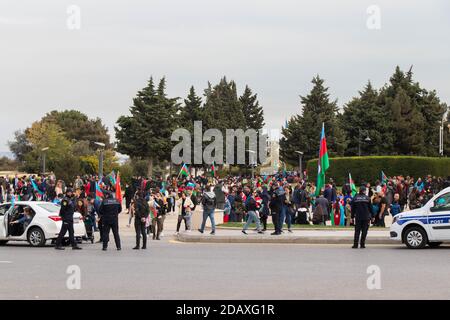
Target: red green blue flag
[
  {"x": 184, "y": 170},
  {"x": 323, "y": 164}
]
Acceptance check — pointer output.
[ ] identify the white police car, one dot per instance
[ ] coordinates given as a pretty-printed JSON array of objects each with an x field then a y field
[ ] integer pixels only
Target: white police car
[{"x": 427, "y": 225}]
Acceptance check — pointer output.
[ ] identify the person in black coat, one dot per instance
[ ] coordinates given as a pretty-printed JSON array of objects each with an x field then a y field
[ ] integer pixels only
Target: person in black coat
[
  {"x": 141, "y": 212},
  {"x": 66, "y": 213},
  {"x": 361, "y": 216},
  {"x": 109, "y": 214}
]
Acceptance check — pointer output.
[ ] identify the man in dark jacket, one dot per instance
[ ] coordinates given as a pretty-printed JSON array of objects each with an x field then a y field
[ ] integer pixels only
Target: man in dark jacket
[
  {"x": 141, "y": 212},
  {"x": 209, "y": 203},
  {"x": 361, "y": 216},
  {"x": 66, "y": 213},
  {"x": 109, "y": 214}
]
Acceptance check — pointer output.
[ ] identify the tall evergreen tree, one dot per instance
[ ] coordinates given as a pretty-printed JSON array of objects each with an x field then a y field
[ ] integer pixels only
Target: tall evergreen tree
[
  {"x": 146, "y": 133},
  {"x": 223, "y": 109},
  {"x": 364, "y": 117},
  {"x": 303, "y": 131},
  {"x": 253, "y": 112},
  {"x": 415, "y": 115},
  {"x": 192, "y": 110}
]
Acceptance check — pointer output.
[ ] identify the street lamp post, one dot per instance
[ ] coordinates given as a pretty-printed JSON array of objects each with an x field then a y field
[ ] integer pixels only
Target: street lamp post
[
  {"x": 100, "y": 160},
  {"x": 44, "y": 158},
  {"x": 359, "y": 141},
  {"x": 300, "y": 155}
]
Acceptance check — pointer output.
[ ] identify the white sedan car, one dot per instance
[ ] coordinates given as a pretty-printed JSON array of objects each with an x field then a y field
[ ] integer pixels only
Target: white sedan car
[{"x": 45, "y": 224}]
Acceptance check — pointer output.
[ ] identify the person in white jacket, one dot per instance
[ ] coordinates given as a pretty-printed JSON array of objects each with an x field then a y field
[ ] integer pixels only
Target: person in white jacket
[{"x": 185, "y": 206}]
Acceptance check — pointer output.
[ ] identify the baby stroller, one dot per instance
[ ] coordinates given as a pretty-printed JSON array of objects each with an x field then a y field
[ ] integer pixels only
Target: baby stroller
[{"x": 302, "y": 216}]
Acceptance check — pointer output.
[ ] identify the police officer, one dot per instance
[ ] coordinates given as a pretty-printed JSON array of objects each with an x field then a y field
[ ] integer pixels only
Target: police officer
[
  {"x": 109, "y": 214},
  {"x": 66, "y": 213},
  {"x": 361, "y": 216},
  {"x": 141, "y": 212}
]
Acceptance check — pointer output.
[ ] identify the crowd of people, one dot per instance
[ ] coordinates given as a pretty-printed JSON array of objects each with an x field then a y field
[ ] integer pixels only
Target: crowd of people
[{"x": 284, "y": 197}]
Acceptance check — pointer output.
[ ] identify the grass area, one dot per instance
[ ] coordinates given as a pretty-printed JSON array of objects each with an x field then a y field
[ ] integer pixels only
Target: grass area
[{"x": 294, "y": 226}]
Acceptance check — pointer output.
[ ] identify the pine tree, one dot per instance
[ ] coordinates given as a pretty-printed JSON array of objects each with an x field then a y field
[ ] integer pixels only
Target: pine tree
[
  {"x": 146, "y": 133},
  {"x": 192, "y": 110},
  {"x": 253, "y": 112},
  {"x": 222, "y": 108},
  {"x": 364, "y": 117},
  {"x": 303, "y": 131},
  {"x": 414, "y": 112}
]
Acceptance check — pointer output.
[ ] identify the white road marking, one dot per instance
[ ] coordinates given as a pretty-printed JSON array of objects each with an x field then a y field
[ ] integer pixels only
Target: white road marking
[{"x": 5, "y": 261}]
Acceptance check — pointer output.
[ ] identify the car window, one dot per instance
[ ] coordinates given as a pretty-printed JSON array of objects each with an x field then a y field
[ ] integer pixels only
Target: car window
[
  {"x": 443, "y": 202},
  {"x": 50, "y": 207},
  {"x": 4, "y": 208}
]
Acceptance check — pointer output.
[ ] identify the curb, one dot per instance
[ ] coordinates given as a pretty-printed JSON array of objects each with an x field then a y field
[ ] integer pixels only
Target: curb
[{"x": 279, "y": 239}]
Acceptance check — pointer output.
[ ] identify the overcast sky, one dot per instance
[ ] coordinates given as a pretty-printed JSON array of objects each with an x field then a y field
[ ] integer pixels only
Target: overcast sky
[{"x": 275, "y": 47}]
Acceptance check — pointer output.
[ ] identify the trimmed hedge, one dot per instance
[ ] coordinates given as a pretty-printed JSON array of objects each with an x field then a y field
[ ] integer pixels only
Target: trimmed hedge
[{"x": 368, "y": 169}]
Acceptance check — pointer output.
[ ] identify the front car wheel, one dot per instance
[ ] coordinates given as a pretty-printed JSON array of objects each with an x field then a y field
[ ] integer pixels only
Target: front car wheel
[{"x": 415, "y": 238}]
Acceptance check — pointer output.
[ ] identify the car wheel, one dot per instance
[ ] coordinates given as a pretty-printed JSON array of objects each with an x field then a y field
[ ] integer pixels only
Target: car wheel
[
  {"x": 3, "y": 242},
  {"x": 434, "y": 244},
  {"x": 415, "y": 238},
  {"x": 36, "y": 237}
]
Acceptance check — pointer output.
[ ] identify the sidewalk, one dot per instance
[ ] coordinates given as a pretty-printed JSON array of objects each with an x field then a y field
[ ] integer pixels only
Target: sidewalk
[{"x": 298, "y": 236}]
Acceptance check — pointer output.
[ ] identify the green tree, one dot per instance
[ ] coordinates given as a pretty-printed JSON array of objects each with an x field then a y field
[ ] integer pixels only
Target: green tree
[
  {"x": 223, "y": 109},
  {"x": 366, "y": 114},
  {"x": 20, "y": 146},
  {"x": 303, "y": 131},
  {"x": 145, "y": 134},
  {"x": 78, "y": 127},
  {"x": 415, "y": 115},
  {"x": 253, "y": 112}
]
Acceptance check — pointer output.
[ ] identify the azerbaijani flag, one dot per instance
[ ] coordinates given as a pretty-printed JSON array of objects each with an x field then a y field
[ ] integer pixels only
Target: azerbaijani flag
[
  {"x": 184, "y": 170},
  {"x": 384, "y": 179},
  {"x": 112, "y": 178},
  {"x": 35, "y": 186},
  {"x": 323, "y": 164},
  {"x": 213, "y": 169},
  {"x": 352, "y": 185},
  {"x": 98, "y": 192},
  {"x": 118, "y": 188}
]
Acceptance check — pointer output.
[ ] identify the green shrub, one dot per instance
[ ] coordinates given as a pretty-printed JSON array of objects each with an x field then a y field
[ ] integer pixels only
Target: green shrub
[{"x": 368, "y": 169}]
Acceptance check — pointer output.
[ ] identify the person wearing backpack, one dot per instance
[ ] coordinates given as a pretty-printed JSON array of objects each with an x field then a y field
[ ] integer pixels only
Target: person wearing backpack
[{"x": 209, "y": 203}]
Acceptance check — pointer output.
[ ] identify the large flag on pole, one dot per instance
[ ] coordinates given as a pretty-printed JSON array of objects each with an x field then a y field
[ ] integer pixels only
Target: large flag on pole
[
  {"x": 323, "y": 164},
  {"x": 352, "y": 185}
]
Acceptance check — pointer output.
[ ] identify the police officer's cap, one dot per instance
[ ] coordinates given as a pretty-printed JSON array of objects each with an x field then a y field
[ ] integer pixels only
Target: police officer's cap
[{"x": 362, "y": 188}]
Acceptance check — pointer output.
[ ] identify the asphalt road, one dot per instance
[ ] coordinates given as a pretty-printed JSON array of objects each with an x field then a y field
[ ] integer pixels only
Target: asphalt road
[{"x": 172, "y": 270}]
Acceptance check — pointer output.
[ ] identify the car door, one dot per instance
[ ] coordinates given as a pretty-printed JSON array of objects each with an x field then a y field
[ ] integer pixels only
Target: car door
[
  {"x": 4, "y": 220},
  {"x": 439, "y": 217}
]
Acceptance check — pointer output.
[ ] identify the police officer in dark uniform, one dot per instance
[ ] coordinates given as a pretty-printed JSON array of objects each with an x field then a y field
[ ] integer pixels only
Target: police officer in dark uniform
[
  {"x": 66, "y": 213},
  {"x": 141, "y": 212},
  {"x": 109, "y": 214},
  {"x": 361, "y": 216}
]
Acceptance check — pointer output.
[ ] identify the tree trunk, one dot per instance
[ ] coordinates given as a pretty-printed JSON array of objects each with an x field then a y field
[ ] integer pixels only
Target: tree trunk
[{"x": 150, "y": 168}]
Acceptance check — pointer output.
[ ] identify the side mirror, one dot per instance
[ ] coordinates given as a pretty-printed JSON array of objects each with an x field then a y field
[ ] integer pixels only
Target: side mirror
[{"x": 434, "y": 209}]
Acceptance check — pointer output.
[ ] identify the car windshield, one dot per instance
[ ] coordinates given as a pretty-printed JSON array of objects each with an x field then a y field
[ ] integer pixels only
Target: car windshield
[{"x": 50, "y": 207}]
